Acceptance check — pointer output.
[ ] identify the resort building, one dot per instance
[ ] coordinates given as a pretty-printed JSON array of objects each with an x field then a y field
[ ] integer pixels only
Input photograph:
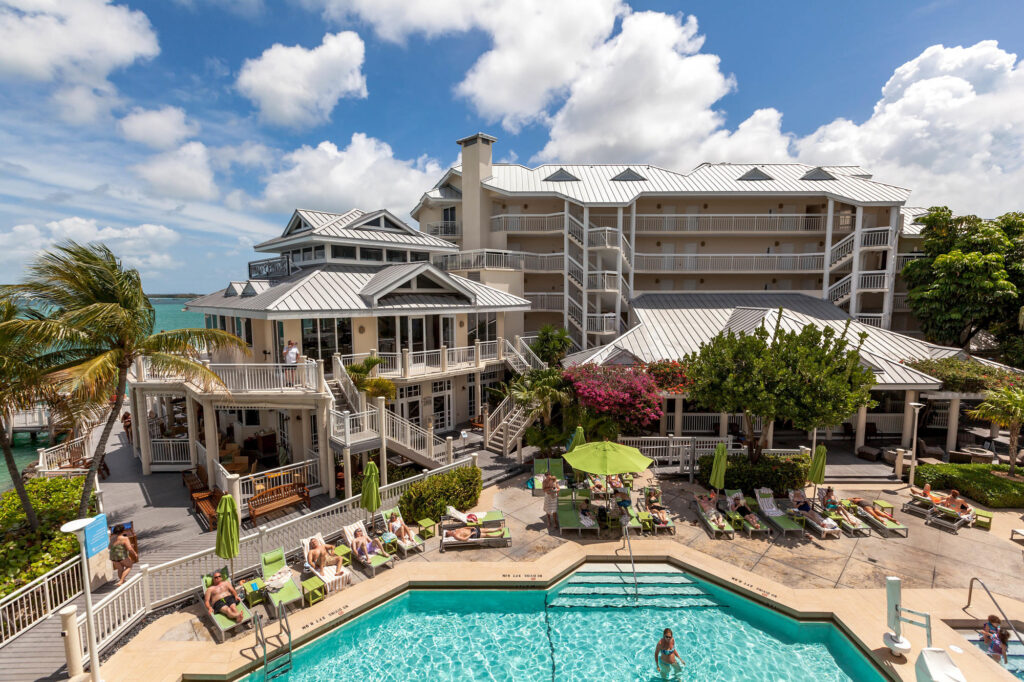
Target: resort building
[
  {"x": 582, "y": 241},
  {"x": 343, "y": 288}
]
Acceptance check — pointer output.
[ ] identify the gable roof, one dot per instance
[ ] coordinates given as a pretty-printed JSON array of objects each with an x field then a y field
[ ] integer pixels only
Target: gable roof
[
  {"x": 354, "y": 226},
  {"x": 561, "y": 175},
  {"x": 629, "y": 175},
  {"x": 909, "y": 214},
  {"x": 389, "y": 279}
]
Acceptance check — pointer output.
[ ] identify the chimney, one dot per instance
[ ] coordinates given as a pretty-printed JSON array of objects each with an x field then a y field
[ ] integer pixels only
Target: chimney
[{"x": 476, "y": 167}]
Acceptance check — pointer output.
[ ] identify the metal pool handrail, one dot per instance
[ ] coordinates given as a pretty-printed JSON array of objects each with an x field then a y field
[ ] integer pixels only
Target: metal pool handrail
[{"x": 970, "y": 594}]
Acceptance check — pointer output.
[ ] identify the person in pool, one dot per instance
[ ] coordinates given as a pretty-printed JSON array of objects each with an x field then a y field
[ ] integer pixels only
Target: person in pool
[
  {"x": 998, "y": 645},
  {"x": 666, "y": 658},
  {"x": 468, "y": 533},
  {"x": 990, "y": 628}
]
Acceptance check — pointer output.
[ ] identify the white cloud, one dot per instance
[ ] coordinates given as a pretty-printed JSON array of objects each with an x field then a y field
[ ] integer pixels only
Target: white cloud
[
  {"x": 296, "y": 87},
  {"x": 159, "y": 128},
  {"x": 247, "y": 155},
  {"x": 82, "y": 104},
  {"x": 183, "y": 173},
  {"x": 75, "y": 45},
  {"x": 365, "y": 174}
]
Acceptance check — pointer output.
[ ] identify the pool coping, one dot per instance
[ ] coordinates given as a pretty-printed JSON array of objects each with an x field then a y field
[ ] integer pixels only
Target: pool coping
[{"x": 847, "y": 609}]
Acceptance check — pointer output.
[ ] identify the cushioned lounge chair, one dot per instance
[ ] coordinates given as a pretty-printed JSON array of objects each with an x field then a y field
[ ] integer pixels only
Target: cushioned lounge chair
[
  {"x": 737, "y": 520},
  {"x": 823, "y": 530},
  {"x": 948, "y": 519},
  {"x": 671, "y": 525},
  {"x": 491, "y": 518},
  {"x": 775, "y": 516},
  {"x": 503, "y": 540},
  {"x": 885, "y": 527},
  {"x": 569, "y": 519},
  {"x": 417, "y": 544},
  {"x": 853, "y": 528},
  {"x": 222, "y": 625},
  {"x": 288, "y": 593},
  {"x": 725, "y": 531},
  {"x": 374, "y": 561},
  {"x": 918, "y": 505},
  {"x": 335, "y": 577}
]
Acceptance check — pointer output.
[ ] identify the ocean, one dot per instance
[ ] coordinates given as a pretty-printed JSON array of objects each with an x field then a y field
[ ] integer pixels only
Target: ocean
[{"x": 169, "y": 315}]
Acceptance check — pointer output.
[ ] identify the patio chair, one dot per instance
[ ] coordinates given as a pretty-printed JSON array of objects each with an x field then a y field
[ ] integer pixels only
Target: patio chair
[
  {"x": 569, "y": 519},
  {"x": 925, "y": 450},
  {"x": 884, "y": 526},
  {"x": 852, "y": 527},
  {"x": 374, "y": 561},
  {"x": 737, "y": 520},
  {"x": 272, "y": 567},
  {"x": 775, "y": 516},
  {"x": 671, "y": 525},
  {"x": 335, "y": 577},
  {"x": 823, "y": 530},
  {"x": 948, "y": 519},
  {"x": 918, "y": 505},
  {"x": 542, "y": 466},
  {"x": 222, "y": 625},
  {"x": 725, "y": 530},
  {"x": 404, "y": 546}
]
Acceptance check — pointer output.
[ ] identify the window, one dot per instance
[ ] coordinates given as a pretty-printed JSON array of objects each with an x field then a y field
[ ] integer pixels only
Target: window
[
  {"x": 328, "y": 341},
  {"x": 343, "y": 329},
  {"x": 441, "y": 386},
  {"x": 386, "y": 333},
  {"x": 366, "y": 253},
  {"x": 318, "y": 252},
  {"x": 222, "y": 323},
  {"x": 209, "y": 321},
  {"x": 307, "y": 253},
  {"x": 310, "y": 339},
  {"x": 396, "y": 256},
  {"x": 417, "y": 256},
  {"x": 482, "y": 327},
  {"x": 343, "y": 252},
  {"x": 408, "y": 391},
  {"x": 448, "y": 214},
  {"x": 424, "y": 282}
]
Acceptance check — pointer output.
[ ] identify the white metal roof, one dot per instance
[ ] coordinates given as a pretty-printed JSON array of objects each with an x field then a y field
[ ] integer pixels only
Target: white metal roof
[
  {"x": 909, "y": 214},
  {"x": 351, "y": 227}
]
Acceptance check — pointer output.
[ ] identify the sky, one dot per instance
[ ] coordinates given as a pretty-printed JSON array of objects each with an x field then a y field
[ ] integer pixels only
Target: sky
[{"x": 182, "y": 132}]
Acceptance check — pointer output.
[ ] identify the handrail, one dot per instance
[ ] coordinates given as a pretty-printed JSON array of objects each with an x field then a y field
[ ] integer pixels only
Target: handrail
[{"x": 1006, "y": 619}]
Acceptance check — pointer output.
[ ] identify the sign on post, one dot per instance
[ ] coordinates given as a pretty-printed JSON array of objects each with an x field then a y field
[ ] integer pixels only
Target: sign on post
[{"x": 96, "y": 538}]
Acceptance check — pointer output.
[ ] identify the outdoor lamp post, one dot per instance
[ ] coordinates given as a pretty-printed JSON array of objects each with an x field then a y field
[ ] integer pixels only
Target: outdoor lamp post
[
  {"x": 78, "y": 527},
  {"x": 913, "y": 456}
]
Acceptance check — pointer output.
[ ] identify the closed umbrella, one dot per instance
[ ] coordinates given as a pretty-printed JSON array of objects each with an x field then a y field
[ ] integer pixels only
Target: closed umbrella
[
  {"x": 717, "y": 480},
  {"x": 227, "y": 531},
  {"x": 370, "y": 497},
  {"x": 816, "y": 475},
  {"x": 577, "y": 439}
]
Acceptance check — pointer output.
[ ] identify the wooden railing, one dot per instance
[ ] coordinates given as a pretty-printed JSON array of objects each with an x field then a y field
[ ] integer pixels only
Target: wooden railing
[{"x": 29, "y": 604}]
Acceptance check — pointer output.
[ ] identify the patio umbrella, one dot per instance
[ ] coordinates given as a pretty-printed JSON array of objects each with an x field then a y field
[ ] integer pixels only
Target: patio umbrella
[
  {"x": 606, "y": 459},
  {"x": 717, "y": 480},
  {"x": 577, "y": 439},
  {"x": 370, "y": 499},
  {"x": 816, "y": 475},
  {"x": 227, "y": 531}
]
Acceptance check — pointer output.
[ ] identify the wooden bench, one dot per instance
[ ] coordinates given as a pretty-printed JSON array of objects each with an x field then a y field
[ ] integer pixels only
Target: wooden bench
[
  {"x": 205, "y": 505},
  {"x": 278, "y": 497},
  {"x": 195, "y": 480}
]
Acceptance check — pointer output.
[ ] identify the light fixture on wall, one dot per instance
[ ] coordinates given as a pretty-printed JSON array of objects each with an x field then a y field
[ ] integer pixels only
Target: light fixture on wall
[
  {"x": 657, "y": 243},
  {"x": 462, "y": 323},
  {"x": 703, "y": 244},
  {"x": 705, "y": 207},
  {"x": 776, "y": 243},
  {"x": 362, "y": 329}
]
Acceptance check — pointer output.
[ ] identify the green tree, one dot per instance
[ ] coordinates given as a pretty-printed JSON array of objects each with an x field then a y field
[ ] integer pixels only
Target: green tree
[
  {"x": 374, "y": 387},
  {"x": 552, "y": 344},
  {"x": 98, "y": 321},
  {"x": 541, "y": 390},
  {"x": 1004, "y": 406}
]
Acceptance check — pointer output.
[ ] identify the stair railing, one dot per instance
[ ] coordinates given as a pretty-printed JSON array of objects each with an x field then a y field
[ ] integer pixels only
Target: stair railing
[{"x": 1006, "y": 619}]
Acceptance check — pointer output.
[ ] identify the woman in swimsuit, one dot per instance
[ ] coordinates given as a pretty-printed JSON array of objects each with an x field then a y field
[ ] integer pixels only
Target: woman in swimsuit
[
  {"x": 870, "y": 509},
  {"x": 738, "y": 505},
  {"x": 398, "y": 527},
  {"x": 122, "y": 554},
  {"x": 666, "y": 658},
  {"x": 998, "y": 645}
]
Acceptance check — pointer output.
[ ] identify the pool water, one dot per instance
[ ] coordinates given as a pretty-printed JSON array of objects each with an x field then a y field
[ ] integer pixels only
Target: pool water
[
  {"x": 1014, "y": 655},
  {"x": 589, "y": 627}
]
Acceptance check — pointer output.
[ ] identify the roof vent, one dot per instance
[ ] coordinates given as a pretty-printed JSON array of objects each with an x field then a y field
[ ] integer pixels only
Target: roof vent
[
  {"x": 629, "y": 175},
  {"x": 561, "y": 175},
  {"x": 818, "y": 173},
  {"x": 755, "y": 174}
]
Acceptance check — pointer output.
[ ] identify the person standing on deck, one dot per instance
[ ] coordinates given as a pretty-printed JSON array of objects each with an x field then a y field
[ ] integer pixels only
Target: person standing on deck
[{"x": 291, "y": 358}]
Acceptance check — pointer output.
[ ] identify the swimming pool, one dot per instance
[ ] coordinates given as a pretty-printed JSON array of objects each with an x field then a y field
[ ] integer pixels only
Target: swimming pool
[
  {"x": 1014, "y": 654},
  {"x": 588, "y": 627}
]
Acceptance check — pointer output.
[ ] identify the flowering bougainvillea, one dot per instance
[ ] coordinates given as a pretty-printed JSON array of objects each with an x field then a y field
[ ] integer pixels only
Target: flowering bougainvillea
[
  {"x": 629, "y": 395},
  {"x": 670, "y": 376}
]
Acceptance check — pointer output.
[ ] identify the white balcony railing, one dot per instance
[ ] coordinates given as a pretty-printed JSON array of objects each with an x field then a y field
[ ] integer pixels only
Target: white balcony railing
[
  {"x": 602, "y": 323},
  {"x": 903, "y": 258},
  {"x": 602, "y": 280},
  {"x": 813, "y": 262},
  {"x": 840, "y": 250},
  {"x": 446, "y": 229},
  {"x": 252, "y": 377},
  {"x": 170, "y": 452},
  {"x": 307, "y": 473},
  {"x": 545, "y": 300},
  {"x": 522, "y": 222},
  {"x": 840, "y": 291},
  {"x": 422, "y": 363},
  {"x": 354, "y": 427},
  {"x": 709, "y": 222},
  {"x": 33, "y": 602},
  {"x": 899, "y": 303},
  {"x": 485, "y": 259},
  {"x": 871, "y": 319},
  {"x": 875, "y": 237},
  {"x": 575, "y": 272},
  {"x": 459, "y": 358},
  {"x": 603, "y": 238},
  {"x": 875, "y": 280}
]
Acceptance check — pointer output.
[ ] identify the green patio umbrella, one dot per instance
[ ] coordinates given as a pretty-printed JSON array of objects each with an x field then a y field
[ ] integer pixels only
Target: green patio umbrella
[
  {"x": 607, "y": 459},
  {"x": 816, "y": 475},
  {"x": 717, "y": 480},
  {"x": 577, "y": 439},
  {"x": 227, "y": 531},
  {"x": 370, "y": 499}
]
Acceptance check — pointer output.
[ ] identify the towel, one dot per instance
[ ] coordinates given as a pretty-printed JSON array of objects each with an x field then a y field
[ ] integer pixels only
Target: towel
[
  {"x": 586, "y": 521},
  {"x": 279, "y": 579},
  {"x": 767, "y": 503}
]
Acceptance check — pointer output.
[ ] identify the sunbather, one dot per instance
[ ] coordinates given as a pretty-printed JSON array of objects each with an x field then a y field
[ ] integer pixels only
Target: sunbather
[
  {"x": 956, "y": 503},
  {"x": 652, "y": 498},
  {"x": 467, "y": 533},
  {"x": 927, "y": 493},
  {"x": 707, "y": 507},
  {"x": 870, "y": 508},
  {"x": 321, "y": 555},
  {"x": 397, "y": 526},
  {"x": 221, "y": 598},
  {"x": 364, "y": 546},
  {"x": 586, "y": 514},
  {"x": 803, "y": 506},
  {"x": 739, "y": 505}
]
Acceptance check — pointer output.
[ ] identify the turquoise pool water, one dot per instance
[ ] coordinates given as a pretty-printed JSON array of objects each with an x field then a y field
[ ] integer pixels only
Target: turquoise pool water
[
  {"x": 1014, "y": 655},
  {"x": 587, "y": 628}
]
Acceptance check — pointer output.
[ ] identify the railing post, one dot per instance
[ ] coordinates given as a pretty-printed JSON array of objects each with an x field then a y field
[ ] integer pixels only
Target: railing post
[
  {"x": 347, "y": 427},
  {"x": 262, "y": 530},
  {"x": 140, "y": 369},
  {"x": 479, "y": 360},
  {"x": 474, "y": 456},
  {"x": 321, "y": 379},
  {"x": 444, "y": 359},
  {"x": 336, "y": 365},
  {"x": 383, "y": 442},
  {"x": 486, "y": 412},
  {"x": 501, "y": 349},
  {"x": 235, "y": 488},
  {"x": 72, "y": 640},
  {"x": 430, "y": 438},
  {"x": 146, "y": 596},
  {"x": 346, "y": 452},
  {"x": 42, "y": 457},
  {"x": 405, "y": 363},
  {"x": 374, "y": 372},
  {"x": 449, "y": 450}
]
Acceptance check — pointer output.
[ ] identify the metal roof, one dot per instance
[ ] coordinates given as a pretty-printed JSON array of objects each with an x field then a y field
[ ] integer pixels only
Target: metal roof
[
  {"x": 335, "y": 291},
  {"x": 351, "y": 227},
  {"x": 909, "y": 214}
]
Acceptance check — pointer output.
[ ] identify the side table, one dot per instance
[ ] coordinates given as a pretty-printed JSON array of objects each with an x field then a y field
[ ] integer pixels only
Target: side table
[
  {"x": 252, "y": 591},
  {"x": 345, "y": 553},
  {"x": 313, "y": 590},
  {"x": 428, "y": 528}
]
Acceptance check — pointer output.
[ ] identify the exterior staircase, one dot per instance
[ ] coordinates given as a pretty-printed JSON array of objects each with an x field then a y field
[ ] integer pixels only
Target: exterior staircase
[
  {"x": 505, "y": 425},
  {"x": 841, "y": 252}
]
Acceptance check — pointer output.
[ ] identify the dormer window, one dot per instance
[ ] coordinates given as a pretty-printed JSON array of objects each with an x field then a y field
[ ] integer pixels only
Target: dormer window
[
  {"x": 342, "y": 252},
  {"x": 629, "y": 175},
  {"x": 366, "y": 253},
  {"x": 396, "y": 256},
  {"x": 561, "y": 175},
  {"x": 755, "y": 174}
]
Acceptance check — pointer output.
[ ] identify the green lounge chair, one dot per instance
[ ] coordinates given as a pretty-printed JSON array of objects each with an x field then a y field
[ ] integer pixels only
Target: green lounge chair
[
  {"x": 404, "y": 546},
  {"x": 737, "y": 520},
  {"x": 859, "y": 528},
  {"x": 725, "y": 531},
  {"x": 491, "y": 518},
  {"x": 884, "y": 526},
  {"x": 542, "y": 466},
  {"x": 270, "y": 563},
  {"x": 222, "y": 625},
  {"x": 775, "y": 516},
  {"x": 569, "y": 519},
  {"x": 375, "y": 561},
  {"x": 918, "y": 505},
  {"x": 503, "y": 540},
  {"x": 947, "y": 519},
  {"x": 671, "y": 525}
]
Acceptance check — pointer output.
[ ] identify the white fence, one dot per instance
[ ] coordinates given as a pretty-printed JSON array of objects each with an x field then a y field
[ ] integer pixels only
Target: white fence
[
  {"x": 354, "y": 427},
  {"x": 415, "y": 438},
  {"x": 26, "y": 606},
  {"x": 170, "y": 454},
  {"x": 64, "y": 453},
  {"x": 519, "y": 222},
  {"x": 241, "y": 378},
  {"x": 711, "y": 222},
  {"x": 647, "y": 262},
  {"x": 307, "y": 473}
]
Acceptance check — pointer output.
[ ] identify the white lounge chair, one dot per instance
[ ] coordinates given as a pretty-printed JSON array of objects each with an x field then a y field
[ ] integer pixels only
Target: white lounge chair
[
  {"x": 830, "y": 527},
  {"x": 489, "y": 518},
  {"x": 775, "y": 516},
  {"x": 375, "y": 561},
  {"x": 334, "y": 577},
  {"x": 405, "y": 546}
]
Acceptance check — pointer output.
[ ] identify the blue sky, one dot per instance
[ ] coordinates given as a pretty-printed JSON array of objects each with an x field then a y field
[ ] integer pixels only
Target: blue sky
[{"x": 183, "y": 131}]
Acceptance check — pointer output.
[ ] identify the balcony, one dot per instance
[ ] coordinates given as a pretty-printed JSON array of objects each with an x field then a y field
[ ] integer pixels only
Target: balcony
[
  {"x": 875, "y": 238},
  {"x": 546, "y": 301},
  {"x": 811, "y": 262},
  {"x": 603, "y": 280},
  {"x": 721, "y": 222},
  {"x": 446, "y": 229},
  {"x": 899, "y": 303},
  {"x": 604, "y": 238},
  {"x": 602, "y": 323},
  {"x": 526, "y": 222},
  {"x": 871, "y": 319},
  {"x": 443, "y": 361},
  {"x": 903, "y": 258},
  {"x": 873, "y": 280},
  {"x": 485, "y": 259},
  {"x": 251, "y": 377}
]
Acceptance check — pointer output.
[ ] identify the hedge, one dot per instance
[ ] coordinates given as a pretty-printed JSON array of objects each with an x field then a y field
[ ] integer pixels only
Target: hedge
[
  {"x": 430, "y": 497},
  {"x": 966, "y": 376},
  {"x": 781, "y": 474},
  {"x": 974, "y": 481}
]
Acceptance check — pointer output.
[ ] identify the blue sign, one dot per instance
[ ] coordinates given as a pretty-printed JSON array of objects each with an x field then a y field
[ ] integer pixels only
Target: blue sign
[{"x": 96, "y": 538}]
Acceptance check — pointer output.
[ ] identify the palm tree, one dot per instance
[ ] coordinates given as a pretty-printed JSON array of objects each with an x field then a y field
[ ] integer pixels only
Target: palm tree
[
  {"x": 552, "y": 344},
  {"x": 540, "y": 391},
  {"x": 98, "y": 321},
  {"x": 1005, "y": 407},
  {"x": 596, "y": 427},
  {"x": 374, "y": 387}
]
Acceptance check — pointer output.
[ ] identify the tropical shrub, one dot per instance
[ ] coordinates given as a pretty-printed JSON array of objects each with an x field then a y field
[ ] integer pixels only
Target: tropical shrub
[
  {"x": 551, "y": 344},
  {"x": 26, "y": 555},
  {"x": 780, "y": 473},
  {"x": 967, "y": 376},
  {"x": 429, "y": 498},
  {"x": 670, "y": 376},
  {"x": 974, "y": 481},
  {"x": 627, "y": 395}
]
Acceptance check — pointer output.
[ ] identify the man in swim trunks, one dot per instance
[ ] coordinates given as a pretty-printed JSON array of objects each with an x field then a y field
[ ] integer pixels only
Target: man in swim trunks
[
  {"x": 221, "y": 598},
  {"x": 364, "y": 546},
  {"x": 666, "y": 659},
  {"x": 322, "y": 555},
  {"x": 467, "y": 533}
]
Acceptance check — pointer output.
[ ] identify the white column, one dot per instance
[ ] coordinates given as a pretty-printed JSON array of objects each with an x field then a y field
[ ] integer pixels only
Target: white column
[
  {"x": 190, "y": 418},
  {"x": 954, "y": 424},
  {"x": 618, "y": 268},
  {"x": 632, "y": 243},
  {"x": 565, "y": 268},
  {"x": 908, "y": 419},
  {"x": 347, "y": 468},
  {"x": 828, "y": 247},
  {"x": 168, "y": 412},
  {"x": 861, "y": 427},
  {"x": 139, "y": 419},
  {"x": 890, "y": 267},
  {"x": 855, "y": 272},
  {"x": 323, "y": 431},
  {"x": 993, "y": 432},
  {"x": 771, "y": 436},
  {"x": 146, "y": 449},
  {"x": 383, "y": 443},
  {"x": 586, "y": 273},
  {"x": 723, "y": 424},
  {"x": 212, "y": 446},
  {"x": 679, "y": 414}
]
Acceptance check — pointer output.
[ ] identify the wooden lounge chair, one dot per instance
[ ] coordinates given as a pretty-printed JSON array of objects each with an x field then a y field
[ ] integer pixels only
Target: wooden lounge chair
[
  {"x": 884, "y": 526},
  {"x": 503, "y": 540},
  {"x": 947, "y": 519},
  {"x": 569, "y": 519},
  {"x": 725, "y": 531},
  {"x": 222, "y": 625},
  {"x": 279, "y": 599},
  {"x": 374, "y": 561},
  {"x": 418, "y": 544},
  {"x": 775, "y": 516},
  {"x": 491, "y": 518},
  {"x": 334, "y": 577},
  {"x": 737, "y": 520},
  {"x": 852, "y": 528}
]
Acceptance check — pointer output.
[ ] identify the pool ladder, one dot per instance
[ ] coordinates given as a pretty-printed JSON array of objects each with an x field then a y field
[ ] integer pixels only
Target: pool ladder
[
  {"x": 970, "y": 595},
  {"x": 632, "y": 564},
  {"x": 278, "y": 663}
]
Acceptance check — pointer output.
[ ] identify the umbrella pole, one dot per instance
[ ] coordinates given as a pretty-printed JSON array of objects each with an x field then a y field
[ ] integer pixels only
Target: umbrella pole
[{"x": 814, "y": 446}]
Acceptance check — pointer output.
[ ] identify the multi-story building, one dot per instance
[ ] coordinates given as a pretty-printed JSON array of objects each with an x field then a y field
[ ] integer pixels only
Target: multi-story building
[{"x": 580, "y": 241}]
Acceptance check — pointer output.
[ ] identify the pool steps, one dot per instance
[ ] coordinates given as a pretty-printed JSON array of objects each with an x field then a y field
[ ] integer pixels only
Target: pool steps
[{"x": 603, "y": 586}]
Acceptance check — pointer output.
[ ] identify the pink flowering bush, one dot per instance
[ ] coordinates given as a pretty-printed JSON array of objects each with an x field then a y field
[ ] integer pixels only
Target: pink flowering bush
[{"x": 628, "y": 395}]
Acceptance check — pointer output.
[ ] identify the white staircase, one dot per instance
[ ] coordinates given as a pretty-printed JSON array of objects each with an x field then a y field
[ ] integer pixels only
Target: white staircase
[
  {"x": 839, "y": 292},
  {"x": 841, "y": 253},
  {"x": 505, "y": 425}
]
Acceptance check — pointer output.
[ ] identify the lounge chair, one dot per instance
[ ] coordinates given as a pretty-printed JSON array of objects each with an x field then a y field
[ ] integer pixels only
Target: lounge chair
[
  {"x": 334, "y": 577},
  {"x": 670, "y": 526},
  {"x": 775, "y": 516},
  {"x": 918, "y": 505},
  {"x": 542, "y": 466},
  {"x": 404, "y": 546},
  {"x": 737, "y": 520},
  {"x": 272, "y": 563},
  {"x": 726, "y": 530},
  {"x": 491, "y": 518},
  {"x": 883, "y": 526},
  {"x": 852, "y": 528},
  {"x": 503, "y": 540},
  {"x": 222, "y": 625},
  {"x": 948, "y": 519},
  {"x": 375, "y": 561},
  {"x": 569, "y": 519},
  {"x": 823, "y": 531},
  {"x": 925, "y": 450}
]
